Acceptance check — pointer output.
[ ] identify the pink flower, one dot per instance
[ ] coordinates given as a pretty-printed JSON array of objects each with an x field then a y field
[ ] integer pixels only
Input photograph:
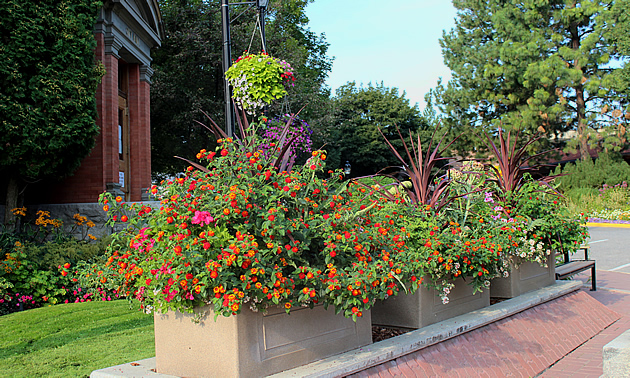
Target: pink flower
[
  {"x": 202, "y": 217},
  {"x": 170, "y": 295}
]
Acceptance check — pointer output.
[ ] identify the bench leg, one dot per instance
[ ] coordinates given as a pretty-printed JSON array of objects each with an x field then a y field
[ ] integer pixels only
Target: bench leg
[{"x": 593, "y": 279}]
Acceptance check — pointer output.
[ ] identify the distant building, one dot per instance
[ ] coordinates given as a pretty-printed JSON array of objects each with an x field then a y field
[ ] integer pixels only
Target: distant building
[{"x": 125, "y": 31}]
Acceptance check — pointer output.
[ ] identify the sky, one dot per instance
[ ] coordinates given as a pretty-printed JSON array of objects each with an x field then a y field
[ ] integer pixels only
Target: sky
[{"x": 393, "y": 41}]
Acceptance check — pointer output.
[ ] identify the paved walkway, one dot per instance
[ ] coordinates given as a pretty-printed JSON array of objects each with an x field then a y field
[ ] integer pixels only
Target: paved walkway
[
  {"x": 586, "y": 361},
  {"x": 561, "y": 338}
]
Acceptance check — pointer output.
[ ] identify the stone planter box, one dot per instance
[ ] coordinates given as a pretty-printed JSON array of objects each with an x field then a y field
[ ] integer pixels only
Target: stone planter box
[
  {"x": 526, "y": 277},
  {"x": 425, "y": 307},
  {"x": 252, "y": 344}
]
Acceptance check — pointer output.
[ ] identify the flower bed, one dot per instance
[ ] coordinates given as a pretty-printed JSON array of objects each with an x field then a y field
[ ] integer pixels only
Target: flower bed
[{"x": 238, "y": 232}]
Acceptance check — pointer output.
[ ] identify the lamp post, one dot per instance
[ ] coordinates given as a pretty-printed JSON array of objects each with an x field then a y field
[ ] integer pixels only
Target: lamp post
[
  {"x": 227, "y": 53},
  {"x": 262, "y": 7},
  {"x": 227, "y": 61}
]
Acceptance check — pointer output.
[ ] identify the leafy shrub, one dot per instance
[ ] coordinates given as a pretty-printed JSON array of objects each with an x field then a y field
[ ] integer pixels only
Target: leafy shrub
[
  {"x": 609, "y": 202},
  {"x": 35, "y": 262},
  {"x": 608, "y": 168}
]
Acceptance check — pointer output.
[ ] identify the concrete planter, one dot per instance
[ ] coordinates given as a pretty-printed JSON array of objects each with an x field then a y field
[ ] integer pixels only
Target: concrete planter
[
  {"x": 252, "y": 344},
  {"x": 425, "y": 307},
  {"x": 523, "y": 278}
]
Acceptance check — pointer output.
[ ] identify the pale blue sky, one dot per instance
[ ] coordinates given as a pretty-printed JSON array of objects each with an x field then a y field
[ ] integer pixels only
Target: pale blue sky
[{"x": 394, "y": 41}]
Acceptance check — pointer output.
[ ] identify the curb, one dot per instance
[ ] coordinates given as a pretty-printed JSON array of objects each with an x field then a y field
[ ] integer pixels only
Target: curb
[
  {"x": 615, "y": 225},
  {"x": 386, "y": 350}
]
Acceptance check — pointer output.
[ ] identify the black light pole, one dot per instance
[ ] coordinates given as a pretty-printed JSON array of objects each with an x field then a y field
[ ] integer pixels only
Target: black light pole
[
  {"x": 262, "y": 7},
  {"x": 227, "y": 54},
  {"x": 227, "y": 61}
]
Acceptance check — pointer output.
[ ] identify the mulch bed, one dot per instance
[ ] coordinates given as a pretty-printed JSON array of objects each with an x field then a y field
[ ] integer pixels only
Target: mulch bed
[{"x": 380, "y": 333}]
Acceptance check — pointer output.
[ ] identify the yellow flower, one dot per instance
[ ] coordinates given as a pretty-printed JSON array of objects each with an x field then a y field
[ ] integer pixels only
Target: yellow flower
[{"x": 21, "y": 211}]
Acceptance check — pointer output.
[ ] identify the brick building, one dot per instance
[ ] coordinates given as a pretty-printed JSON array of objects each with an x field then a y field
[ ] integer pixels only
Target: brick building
[{"x": 125, "y": 31}]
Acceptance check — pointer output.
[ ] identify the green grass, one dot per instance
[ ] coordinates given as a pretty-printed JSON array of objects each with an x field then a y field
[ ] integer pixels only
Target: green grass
[{"x": 72, "y": 340}]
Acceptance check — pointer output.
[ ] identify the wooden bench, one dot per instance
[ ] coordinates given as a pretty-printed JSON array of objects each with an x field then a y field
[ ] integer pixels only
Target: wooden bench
[{"x": 570, "y": 267}]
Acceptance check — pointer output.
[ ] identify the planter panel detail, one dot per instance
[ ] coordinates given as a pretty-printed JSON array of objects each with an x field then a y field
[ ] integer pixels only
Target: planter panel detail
[
  {"x": 425, "y": 307},
  {"x": 526, "y": 277},
  {"x": 252, "y": 344}
]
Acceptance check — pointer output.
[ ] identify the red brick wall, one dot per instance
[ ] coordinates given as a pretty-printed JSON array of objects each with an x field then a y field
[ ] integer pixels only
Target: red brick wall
[{"x": 101, "y": 165}]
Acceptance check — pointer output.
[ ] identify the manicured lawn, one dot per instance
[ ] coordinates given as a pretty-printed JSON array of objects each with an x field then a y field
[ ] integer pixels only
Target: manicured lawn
[{"x": 72, "y": 340}]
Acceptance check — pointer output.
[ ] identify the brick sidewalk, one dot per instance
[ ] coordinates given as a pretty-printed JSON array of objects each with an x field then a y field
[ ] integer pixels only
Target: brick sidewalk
[
  {"x": 561, "y": 338},
  {"x": 586, "y": 361}
]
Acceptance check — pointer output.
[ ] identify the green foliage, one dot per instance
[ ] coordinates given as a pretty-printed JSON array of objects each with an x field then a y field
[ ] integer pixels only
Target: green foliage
[
  {"x": 36, "y": 261},
  {"x": 359, "y": 113},
  {"x": 48, "y": 80},
  {"x": 548, "y": 221},
  {"x": 28, "y": 279},
  {"x": 609, "y": 202},
  {"x": 72, "y": 340},
  {"x": 534, "y": 66},
  {"x": 608, "y": 168}
]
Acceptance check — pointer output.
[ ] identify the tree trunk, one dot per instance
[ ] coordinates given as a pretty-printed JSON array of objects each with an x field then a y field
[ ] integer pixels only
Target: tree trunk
[
  {"x": 580, "y": 103},
  {"x": 10, "y": 220}
]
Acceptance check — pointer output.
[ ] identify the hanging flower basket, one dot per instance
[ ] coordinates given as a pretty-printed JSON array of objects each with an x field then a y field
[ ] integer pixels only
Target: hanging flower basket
[{"x": 258, "y": 79}]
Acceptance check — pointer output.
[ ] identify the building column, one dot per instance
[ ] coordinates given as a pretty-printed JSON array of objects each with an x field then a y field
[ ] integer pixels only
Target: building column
[{"x": 140, "y": 131}]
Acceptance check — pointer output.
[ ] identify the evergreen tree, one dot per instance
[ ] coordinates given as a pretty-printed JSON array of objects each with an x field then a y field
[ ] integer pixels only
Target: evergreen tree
[
  {"x": 48, "y": 80},
  {"x": 546, "y": 66}
]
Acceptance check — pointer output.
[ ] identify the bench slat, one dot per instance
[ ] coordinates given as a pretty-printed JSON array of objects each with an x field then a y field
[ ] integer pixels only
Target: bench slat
[{"x": 573, "y": 267}]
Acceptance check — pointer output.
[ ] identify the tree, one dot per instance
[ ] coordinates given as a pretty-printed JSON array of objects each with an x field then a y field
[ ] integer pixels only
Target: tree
[
  {"x": 544, "y": 66},
  {"x": 617, "y": 32},
  {"x": 358, "y": 114},
  {"x": 188, "y": 75},
  {"x": 48, "y": 80}
]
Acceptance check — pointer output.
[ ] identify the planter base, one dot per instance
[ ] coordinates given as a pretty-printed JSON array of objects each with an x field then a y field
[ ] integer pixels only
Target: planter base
[
  {"x": 425, "y": 307},
  {"x": 251, "y": 344},
  {"x": 526, "y": 277}
]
